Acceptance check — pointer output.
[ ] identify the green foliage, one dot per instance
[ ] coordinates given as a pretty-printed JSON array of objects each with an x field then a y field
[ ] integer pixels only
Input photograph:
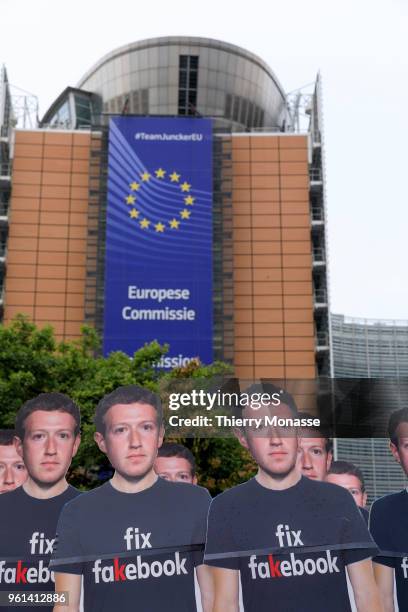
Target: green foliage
[
  {"x": 221, "y": 462},
  {"x": 32, "y": 361}
]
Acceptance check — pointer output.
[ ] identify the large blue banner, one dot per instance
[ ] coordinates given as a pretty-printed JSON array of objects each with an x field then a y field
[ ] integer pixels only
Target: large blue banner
[{"x": 158, "y": 272}]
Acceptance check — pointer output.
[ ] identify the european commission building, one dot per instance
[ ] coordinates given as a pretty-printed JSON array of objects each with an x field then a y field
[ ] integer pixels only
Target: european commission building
[
  {"x": 175, "y": 164},
  {"x": 177, "y": 193}
]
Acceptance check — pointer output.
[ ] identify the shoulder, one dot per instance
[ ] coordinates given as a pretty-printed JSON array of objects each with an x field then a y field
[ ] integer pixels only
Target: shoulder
[
  {"x": 194, "y": 491},
  {"x": 365, "y": 514},
  {"x": 386, "y": 523},
  {"x": 388, "y": 503},
  {"x": 329, "y": 498},
  {"x": 72, "y": 493},
  {"x": 81, "y": 500},
  {"x": 386, "y": 517},
  {"x": 11, "y": 499},
  {"x": 231, "y": 497},
  {"x": 184, "y": 491},
  {"x": 328, "y": 491}
]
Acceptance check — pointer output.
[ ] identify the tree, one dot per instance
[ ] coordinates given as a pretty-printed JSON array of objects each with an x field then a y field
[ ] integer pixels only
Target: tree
[
  {"x": 221, "y": 461},
  {"x": 32, "y": 361}
]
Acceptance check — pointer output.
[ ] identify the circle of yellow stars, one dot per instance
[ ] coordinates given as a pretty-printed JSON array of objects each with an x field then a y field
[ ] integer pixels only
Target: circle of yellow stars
[{"x": 159, "y": 227}]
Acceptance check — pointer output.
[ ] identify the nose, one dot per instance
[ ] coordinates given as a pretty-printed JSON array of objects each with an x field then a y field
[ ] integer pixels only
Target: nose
[
  {"x": 134, "y": 438},
  {"x": 274, "y": 437},
  {"x": 9, "y": 476},
  {"x": 51, "y": 447},
  {"x": 305, "y": 461}
]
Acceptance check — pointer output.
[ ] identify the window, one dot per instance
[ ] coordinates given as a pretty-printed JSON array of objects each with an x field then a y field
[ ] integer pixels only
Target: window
[
  {"x": 244, "y": 111},
  {"x": 235, "y": 112},
  {"x": 62, "y": 118},
  {"x": 83, "y": 111},
  {"x": 228, "y": 106},
  {"x": 188, "y": 84},
  {"x": 145, "y": 101},
  {"x": 135, "y": 102}
]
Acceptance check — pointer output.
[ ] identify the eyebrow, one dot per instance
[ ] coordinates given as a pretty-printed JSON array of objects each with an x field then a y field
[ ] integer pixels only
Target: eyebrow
[
  {"x": 65, "y": 430},
  {"x": 323, "y": 447},
  {"x": 128, "y": 424}
]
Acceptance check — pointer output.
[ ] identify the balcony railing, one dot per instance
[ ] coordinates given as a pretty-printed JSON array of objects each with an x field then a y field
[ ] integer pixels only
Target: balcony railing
[
  {"x": 319, "y": 255},
  {"x": 320, "y": 296},
  {"x": 4, "y": 131},
  {"x": 322, "y": 339},
  {"x": 5, "y": 169},
  {"x": 315, "y": 174},
  {"x": 317, "y": 213},
  {"x": 317, "y": 137}
]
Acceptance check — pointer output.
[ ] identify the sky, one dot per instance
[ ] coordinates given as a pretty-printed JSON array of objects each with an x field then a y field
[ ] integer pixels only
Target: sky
[{"x": 361, "y": 50}]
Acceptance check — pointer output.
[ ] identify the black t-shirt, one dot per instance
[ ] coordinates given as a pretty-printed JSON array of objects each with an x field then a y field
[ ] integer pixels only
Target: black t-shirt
[
  {"x": 290, "y": 546},
  {"x": 389, "y": 528},
  {"x": 135, "y": 550},
  {"x": 27, "y": 534},
  {"x": 365, "y": 513}
]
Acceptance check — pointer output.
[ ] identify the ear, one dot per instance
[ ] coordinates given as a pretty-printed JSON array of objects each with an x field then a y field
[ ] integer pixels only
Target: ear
[
  {"x": 364, "y": 500},
  {"x": 240, "y": 435},
  {"x": 76, "y": 445},
  {"x": 394, "y": 450},
  {"x": 195, "y": 480},
  {"x": 18, "y": 445},
  {"x": 161, "y": 436},
  {"x": 329, "y": 460},
  {"x": 100, "y": 440}
]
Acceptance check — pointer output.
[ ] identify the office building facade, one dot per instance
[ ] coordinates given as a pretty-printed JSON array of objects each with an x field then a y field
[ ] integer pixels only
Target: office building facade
[
  {"x": 269, "y": 269},
  {"x": 377, "y": 349},
  {"x": 6, "y": 123}
]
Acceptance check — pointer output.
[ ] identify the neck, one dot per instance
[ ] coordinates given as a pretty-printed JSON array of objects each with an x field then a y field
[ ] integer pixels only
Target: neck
[
  {"x": 42, "y": 490},
  {"x": 133, "y": 485},
  {"x": 270, "y": 481}
]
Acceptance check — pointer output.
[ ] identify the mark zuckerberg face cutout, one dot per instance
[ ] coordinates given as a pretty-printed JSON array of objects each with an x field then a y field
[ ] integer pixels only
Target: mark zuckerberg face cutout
[
  {"x": 174, "y": 469},
  {"x": 314, "y": 459},
  {"x": 49, "y": 445},
  {"x": 400, "y": 452},
  {"x": 132, "y": 437},
  {"x": 12, "y": 469},
  {"x": 352, "y": 484},
  {"x": 273, "y": 448}
]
